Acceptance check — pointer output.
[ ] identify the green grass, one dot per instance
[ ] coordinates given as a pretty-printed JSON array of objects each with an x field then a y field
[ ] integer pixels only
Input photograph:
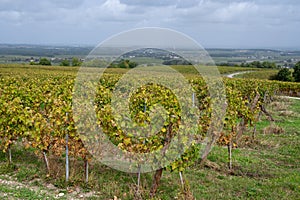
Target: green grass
[{"x": 8, "y": 192}]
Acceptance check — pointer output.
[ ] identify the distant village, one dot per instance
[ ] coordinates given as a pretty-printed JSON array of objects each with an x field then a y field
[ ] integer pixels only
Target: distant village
[
  {"x": 32, "y": 54},
  {"x": 54, "y": 61}
]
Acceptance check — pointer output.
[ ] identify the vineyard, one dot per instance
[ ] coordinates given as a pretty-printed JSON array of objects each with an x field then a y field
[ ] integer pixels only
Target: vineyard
[
  {"x": 263, "y": 74},
  {"x": 36, "y": 115}
]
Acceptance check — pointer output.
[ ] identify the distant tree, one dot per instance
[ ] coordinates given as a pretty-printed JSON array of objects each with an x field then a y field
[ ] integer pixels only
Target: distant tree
[
  {"x": 65, "y": 62},
  {"x": 267, "y": 64},
  {"x": 33, "y": 63},
  {"x": 132, "y": 64},
  {"x": 123, "y": 63},
  {"x": 76, "y": 62},
  {"x": 284, "y": 75},
  {"x": 177, "y": 62},
  {"x": 256, "y": 64},
  {"x": 296, "y": 73},
  {"x": 44, "y": 61},
  {"x": 223, "y": 64}
]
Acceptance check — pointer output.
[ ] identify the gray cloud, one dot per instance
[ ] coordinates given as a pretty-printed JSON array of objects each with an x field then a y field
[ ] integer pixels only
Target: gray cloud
[
  {"x": 223, "y": 11},
  {"x": 244, "y": 19},
  {"x": 154, "y": 3},
  {"x": 188, "y": 3}
]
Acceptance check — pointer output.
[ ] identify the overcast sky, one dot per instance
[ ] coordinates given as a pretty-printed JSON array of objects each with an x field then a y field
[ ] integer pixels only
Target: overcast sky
[{"x": 212, "y": 23}]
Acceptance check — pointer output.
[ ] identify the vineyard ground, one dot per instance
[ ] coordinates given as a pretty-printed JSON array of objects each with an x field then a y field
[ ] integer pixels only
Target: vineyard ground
[
  {"x": 24, "y": 68},
  {"x": 266, "y": 168},
  {"x": 263, "y": 74}
]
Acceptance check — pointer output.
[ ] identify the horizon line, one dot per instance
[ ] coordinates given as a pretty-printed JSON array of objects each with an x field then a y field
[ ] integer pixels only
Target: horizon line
[{"x": 224, "y": 47}]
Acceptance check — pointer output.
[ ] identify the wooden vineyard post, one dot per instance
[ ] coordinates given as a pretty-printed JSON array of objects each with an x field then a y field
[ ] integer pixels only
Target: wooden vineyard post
[
  {"x": 229, "y": 145},
  {"x": 9, "y": 155},
  {"x": 86, "y": 166},
  {"x": 137, "y": 192},
  {"x": 139, "y": 177},
  {"x": 67, "y": 156},
  {"x": 181, "y": 179},
  {"x": 46, "y": 163},
  {"x": 193, "y": 98}
]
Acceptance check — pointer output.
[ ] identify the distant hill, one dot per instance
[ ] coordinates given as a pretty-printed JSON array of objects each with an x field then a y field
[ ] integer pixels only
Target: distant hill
[
  {"x": 43, "y": 50},
  {"x": 226, "y": 57}
]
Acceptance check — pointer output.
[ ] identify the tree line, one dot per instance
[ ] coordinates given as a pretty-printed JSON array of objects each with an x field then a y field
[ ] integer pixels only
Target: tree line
[
  {"x": 66, "y": 62},
  {"x": 286, "y": 74},
  {"x": 258, "y": 64}
]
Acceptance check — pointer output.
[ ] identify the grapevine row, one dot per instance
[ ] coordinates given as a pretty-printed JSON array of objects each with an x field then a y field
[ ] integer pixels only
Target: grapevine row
[{"x": 37, "y": 108}]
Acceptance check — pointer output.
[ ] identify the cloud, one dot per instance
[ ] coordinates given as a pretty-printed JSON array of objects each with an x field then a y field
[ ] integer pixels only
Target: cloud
[
  {"x": 239, "y": 12},
  {"x": 67, "y": 4},
  {"x": 233, "y": 12},
  {"x": 188, "y": 3},
  {"x": 137, "y": 11},
  {"x": 146, "y": 3},
  {"x": 14, "y": 16},
  {"x": 31, "y": 11},
  {"x": 110, "y": 16},
  {"x": 114, "y": 6}
]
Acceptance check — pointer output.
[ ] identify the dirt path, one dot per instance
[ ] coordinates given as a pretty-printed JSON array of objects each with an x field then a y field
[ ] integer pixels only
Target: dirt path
[
  {"x": 297, "y": 98},
  {"x": 11, "y": 188},
  {"x": 237, "y": 73}
]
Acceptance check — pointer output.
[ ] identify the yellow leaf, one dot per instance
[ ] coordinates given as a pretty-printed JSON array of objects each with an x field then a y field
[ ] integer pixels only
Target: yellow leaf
[{"x": 127, "y": 141}]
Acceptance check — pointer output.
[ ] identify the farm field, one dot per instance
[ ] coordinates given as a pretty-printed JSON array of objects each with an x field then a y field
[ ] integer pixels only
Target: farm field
[
  {"x": 21, "y": 68},
  {"x": 262, "y": 74},
  {"x": 264, "y": 166}
]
